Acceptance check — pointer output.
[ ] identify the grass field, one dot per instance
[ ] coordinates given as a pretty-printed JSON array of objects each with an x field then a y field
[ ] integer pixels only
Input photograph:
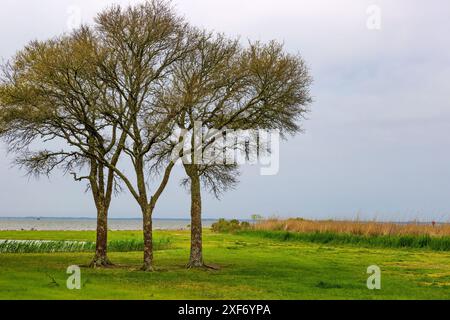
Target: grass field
[{"x": 251, "y": 267}]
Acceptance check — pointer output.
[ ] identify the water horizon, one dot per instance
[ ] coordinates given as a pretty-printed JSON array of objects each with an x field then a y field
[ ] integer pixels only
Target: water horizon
[
  {"x": 89, "y": 224},
  {"x": 42, "y": 223}
]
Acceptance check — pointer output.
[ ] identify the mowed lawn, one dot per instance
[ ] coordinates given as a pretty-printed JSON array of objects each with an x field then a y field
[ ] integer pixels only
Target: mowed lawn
[{"x": 250, "y": 268}]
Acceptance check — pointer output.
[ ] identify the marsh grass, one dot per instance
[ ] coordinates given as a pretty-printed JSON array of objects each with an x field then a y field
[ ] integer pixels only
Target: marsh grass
[
  {"x": 390, "y": 241},
  {"x": 367, "y": 234},
  {"x": 359, "y": 228},
  {"x": 40, "y": 246}
]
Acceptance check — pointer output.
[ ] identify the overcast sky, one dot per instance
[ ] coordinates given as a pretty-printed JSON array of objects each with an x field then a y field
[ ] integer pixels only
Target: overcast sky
[{"x": 377, "y": 142}]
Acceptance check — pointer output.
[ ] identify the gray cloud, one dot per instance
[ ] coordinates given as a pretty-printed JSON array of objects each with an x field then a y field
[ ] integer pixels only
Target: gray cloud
[{"x": 377, "y": 141}]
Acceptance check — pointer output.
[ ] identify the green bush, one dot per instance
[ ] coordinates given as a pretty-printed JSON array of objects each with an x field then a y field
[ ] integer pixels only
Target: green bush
[{"x": 230, "y": 226}]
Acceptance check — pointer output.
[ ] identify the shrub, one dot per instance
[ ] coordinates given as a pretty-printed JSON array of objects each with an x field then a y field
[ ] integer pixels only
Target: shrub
[{"x": 230, "y": 226}]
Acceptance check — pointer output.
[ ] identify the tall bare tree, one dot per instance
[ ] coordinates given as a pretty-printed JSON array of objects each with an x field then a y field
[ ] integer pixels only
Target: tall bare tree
[
  {"x": 224, "y": 86},
  {"x": 145, "y": 41},
  {"x": 50, "y": 92}
]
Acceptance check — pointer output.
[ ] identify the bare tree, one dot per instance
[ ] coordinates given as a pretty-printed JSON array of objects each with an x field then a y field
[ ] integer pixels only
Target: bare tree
[
  {"x": 50, "y": 93},
  {"x": 145, "y": 41},
  {"x": 224, "y": 86}
]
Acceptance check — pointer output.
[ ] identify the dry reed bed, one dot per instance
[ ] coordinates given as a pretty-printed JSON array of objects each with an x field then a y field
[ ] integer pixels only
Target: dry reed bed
[{"x": 354, "y": 227}]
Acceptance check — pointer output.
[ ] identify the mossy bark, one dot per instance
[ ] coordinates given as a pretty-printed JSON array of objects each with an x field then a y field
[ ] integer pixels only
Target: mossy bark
[
  {"x": 102, "y": 199},
  {"x": 196, "y": 254},
  {"x": 148, "y": 240},
  {"x": 101, "y": 246}
]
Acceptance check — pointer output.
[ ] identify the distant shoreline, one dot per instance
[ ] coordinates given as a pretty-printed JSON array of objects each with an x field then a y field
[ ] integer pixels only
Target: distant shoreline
[
  {"x": 90, "y": 224},
  {"x": 37, "y": 218},
  {"x": 87, "y": 218}
]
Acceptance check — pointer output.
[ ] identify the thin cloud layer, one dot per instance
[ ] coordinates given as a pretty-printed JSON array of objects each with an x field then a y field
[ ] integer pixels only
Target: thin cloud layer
[{"x": 377, "y": 140}]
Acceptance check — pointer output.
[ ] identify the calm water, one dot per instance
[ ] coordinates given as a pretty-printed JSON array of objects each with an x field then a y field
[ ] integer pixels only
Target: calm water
[{"x": 90, "y": 224}]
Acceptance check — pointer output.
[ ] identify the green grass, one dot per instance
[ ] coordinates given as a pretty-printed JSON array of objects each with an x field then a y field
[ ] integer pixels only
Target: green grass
[
  {"x": 251, "y": 267},
  {"x": 395, "y": 241},
  {"x": 69, "y": 235}
]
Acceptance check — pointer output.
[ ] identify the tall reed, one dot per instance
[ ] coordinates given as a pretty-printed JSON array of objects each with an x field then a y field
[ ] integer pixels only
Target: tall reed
[
  {"x": 373, "y": 234},
  {"x": 382, "y": 241},
  {"x": 40, "y": 246},
  {"x": 371, "y": 228}
]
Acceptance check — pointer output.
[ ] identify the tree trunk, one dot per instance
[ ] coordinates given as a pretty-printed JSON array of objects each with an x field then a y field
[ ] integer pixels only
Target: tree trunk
[
  {"x": 148, "y": 240},
  {"x": 101, "y": 259},
  {"x": 196, "y": 256}
]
